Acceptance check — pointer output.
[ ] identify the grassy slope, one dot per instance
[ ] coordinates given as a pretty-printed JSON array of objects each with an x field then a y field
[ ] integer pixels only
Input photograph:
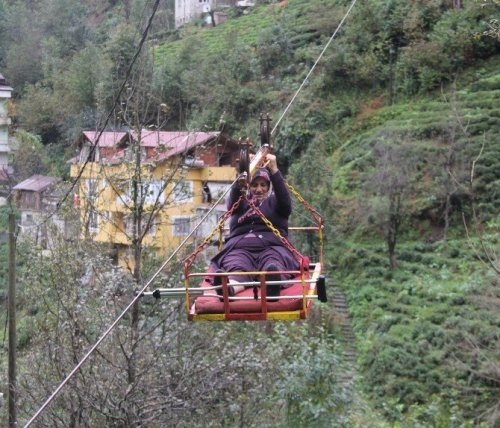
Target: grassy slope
[
  {"x": 246, "y": 29},
  {"x": 418, "y": 327},
  {"x": 414, "y": 326}
]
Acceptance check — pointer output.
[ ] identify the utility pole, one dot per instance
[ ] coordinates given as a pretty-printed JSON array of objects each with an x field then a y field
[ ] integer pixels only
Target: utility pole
[
  {"x": 391, "y": 75},
  {"x": 12, "y": 322}
]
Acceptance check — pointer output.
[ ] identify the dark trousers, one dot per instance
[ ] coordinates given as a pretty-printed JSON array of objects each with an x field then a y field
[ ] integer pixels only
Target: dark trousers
[{"x": 250, "y": 255}]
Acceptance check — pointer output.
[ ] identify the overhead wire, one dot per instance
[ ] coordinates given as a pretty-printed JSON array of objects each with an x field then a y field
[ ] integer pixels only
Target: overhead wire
[
  {"x": 119, "y": 318},
  {"x": 73, "y": 184},
  {"x": 313, "y": 67},
  {"x": 117, "y": 98},
  {"x": 174, "y": 253},
  {"x": 107, "y": 119}
]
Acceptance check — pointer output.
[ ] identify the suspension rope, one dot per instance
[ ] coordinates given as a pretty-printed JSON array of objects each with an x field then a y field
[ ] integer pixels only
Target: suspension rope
[
  {"x": 313, "y": 67},
  {"x": 112, "y": 326},
  {"x": 140, "y": 292}
]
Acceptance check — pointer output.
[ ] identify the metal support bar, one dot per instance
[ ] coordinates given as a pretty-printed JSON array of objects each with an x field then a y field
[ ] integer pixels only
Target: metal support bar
[
  {"x": 298, "y": 296},
  {"x": 252, "y": 283},
  {"x": 177, "y": 292}
]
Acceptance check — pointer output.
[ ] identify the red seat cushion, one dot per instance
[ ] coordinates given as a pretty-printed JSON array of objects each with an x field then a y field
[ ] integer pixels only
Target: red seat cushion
[{"x": 213, "y": 305}]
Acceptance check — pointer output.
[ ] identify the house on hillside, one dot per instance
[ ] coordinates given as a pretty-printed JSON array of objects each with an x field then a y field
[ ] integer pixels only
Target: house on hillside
[
  {"x": 37, "y": 198},
  {"x": 189, "y": 10},
  {"x": 5, "y": 94},
  {"x": 181, "y": 175}
]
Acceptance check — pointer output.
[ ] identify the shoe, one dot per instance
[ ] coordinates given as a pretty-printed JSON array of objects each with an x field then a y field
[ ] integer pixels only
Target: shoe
[
  {"x": 273, "y": 290},
  {"x": 218, "y": 281}
]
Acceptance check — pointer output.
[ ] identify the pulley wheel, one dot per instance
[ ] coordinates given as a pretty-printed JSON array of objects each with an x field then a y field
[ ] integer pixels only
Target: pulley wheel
[
  {"x": 264, "y": 132},
  {"x": 244, "y": 164}
]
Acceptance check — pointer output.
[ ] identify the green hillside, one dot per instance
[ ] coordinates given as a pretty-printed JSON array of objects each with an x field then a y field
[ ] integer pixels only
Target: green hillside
[
  {"x": 394, "y": 139},
  {"x": 427, "y": 341}
]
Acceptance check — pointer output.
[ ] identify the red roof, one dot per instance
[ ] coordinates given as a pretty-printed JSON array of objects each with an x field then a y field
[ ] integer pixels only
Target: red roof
[
  {"x": 107, "y": 138},
  {"x": 167, "y": 143},
  {"x": 174, "y": 143}
]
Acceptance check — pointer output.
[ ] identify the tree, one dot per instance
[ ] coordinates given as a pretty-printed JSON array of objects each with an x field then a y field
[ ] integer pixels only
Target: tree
[
  {"x": 29, "y": 157},
  {"x": 143, "y": 195},
  {"x": 493, "y": 23},
  {"x": 389, "y": 189},
  {"x": 453, "y": 174},
  {"x": 22, "y": 46},
  {"x": 484, "y": 251},
  {"x": 479, "y": 352},
  {"x": 315, "y": 394}
]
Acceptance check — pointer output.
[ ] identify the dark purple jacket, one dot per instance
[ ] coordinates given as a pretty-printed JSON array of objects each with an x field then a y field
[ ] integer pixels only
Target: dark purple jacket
[{"x": 276, "y": 208}]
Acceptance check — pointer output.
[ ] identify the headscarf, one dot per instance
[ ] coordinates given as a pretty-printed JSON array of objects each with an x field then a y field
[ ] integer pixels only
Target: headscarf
[{"x": 261, "y": 172}]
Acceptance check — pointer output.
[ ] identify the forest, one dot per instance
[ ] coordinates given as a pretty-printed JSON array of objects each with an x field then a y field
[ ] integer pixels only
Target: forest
[{"x": 394, "y": 139}]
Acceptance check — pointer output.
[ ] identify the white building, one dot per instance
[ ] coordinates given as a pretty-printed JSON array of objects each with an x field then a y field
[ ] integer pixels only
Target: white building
[
  {"x": 5, "y": 94},
  {"x": 189, "y": 10}
]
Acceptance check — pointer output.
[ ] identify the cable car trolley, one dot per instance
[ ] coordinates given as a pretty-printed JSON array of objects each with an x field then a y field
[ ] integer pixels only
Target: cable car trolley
[{"x": 211, "y": 300}]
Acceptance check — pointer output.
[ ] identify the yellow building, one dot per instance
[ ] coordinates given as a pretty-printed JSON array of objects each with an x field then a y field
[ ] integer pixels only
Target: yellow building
[{"x": 151, "y": 187}]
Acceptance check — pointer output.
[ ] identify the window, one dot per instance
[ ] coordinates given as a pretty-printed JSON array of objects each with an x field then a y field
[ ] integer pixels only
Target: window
[
  {"x": 181, "y": 226},
  {"x": 152, "y": 191},
  {"x": 145, "y": 223},
  {"x": 91, "y": 189},
  {"x": 183, "y": 191},
  {"x": 93, "y": 221},
  {"x": 121, "y": 189},
  {"x": 224, "y": 159},
  {"x": 149, "y": 192}
]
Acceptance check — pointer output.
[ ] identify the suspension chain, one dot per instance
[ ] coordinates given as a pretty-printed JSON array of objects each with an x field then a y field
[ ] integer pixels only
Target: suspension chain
[
  {"x": 317, "y": 216},
  {"x": 310, "y": 208},
  {"x": 276, "y": 232},
  {"x": 191, "y": 258}
]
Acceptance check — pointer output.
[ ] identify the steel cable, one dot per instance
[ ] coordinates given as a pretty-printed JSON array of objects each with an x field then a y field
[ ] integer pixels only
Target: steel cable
[
  {"x": 313, "y": 67},
  {"x": 155, "y": 275}
]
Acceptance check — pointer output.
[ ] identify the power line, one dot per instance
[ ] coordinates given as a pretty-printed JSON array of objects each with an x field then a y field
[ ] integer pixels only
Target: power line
[
  {"x": 108, "y": 117},
  {"x": 112, "y": 326},
  {"x": 155, "y": 275},
  {"x": 87, "y": 160}
]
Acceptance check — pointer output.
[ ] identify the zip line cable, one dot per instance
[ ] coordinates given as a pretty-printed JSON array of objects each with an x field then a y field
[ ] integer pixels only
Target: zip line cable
[
  {"x": 313, "y": 67},
  {"x": 136, "y": 298},
  {"x": 155, "y": 275}
]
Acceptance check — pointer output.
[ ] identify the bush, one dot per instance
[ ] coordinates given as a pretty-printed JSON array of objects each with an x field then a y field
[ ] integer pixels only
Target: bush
[
  {"x": 311, "y": 388},
  {"x": 410, "y": 256}
]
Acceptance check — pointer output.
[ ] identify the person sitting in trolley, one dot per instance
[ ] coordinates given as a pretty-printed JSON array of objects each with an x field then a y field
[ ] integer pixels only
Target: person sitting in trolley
[{"x": 251, "y": 246}]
